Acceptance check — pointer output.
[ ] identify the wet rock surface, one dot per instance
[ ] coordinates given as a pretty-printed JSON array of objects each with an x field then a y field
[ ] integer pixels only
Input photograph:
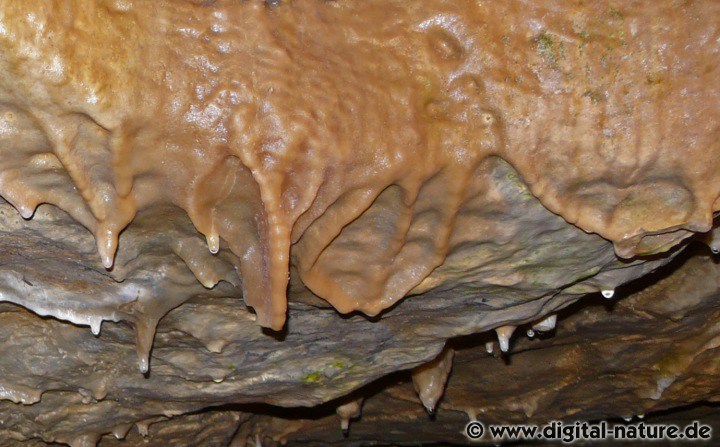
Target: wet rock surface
[
  {"x": 604, "y": 361},
  {"x": 650, "y": 356},
  {"x": 240, "y": 223},
  {"x": 75, "y": 387},
  {"x": 346, "y": 142}
]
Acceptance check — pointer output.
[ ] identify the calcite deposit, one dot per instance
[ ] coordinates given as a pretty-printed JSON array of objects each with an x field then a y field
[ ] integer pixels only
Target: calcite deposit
[
  {"x": 264, "y": 204},
  {"x": 653, "y": 350}
]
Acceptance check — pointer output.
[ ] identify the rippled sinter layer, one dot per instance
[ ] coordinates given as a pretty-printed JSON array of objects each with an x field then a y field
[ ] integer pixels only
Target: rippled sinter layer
[{"x": 342, "y": 136}]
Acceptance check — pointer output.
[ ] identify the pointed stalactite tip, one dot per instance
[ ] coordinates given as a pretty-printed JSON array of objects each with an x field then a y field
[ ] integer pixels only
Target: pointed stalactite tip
[{"x": 608, "y": 293}]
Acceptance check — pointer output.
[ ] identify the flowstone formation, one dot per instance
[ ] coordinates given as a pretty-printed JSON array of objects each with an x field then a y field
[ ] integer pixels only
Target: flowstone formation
[{"x": 277, "y": 203}]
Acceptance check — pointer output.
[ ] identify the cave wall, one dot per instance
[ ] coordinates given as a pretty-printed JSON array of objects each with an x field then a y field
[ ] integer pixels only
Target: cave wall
[{"x": 282, "y": 202}]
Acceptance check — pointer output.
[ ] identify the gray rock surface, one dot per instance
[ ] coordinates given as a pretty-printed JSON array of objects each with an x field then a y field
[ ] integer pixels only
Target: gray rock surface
[
  {"x": 651, "y": 356},
  {"x": 521, "y": 264}
]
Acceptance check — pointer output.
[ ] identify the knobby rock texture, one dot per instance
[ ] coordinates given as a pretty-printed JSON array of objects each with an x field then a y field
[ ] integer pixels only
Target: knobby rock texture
[{"x": 258, "y": 205}]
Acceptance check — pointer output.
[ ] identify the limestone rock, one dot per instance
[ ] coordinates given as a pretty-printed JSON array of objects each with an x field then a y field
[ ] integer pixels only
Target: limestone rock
[{"x": 223, "y": 220}]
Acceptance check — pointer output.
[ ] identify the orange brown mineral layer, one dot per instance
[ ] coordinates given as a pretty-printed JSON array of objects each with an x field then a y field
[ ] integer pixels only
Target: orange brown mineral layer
[{"x": 277, "y": 128}]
